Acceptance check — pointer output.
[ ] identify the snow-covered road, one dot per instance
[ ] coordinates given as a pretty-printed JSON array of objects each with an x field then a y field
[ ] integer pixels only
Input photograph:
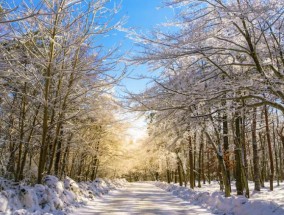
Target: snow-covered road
[{"x": 140, "y": 198}]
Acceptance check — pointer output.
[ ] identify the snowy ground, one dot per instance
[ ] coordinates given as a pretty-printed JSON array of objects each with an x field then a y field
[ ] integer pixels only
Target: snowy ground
[
  {"x": 53, "y": 196},
  {"x": 119, "y": 197},
  {"x": 264, "y": 202},
  {"x": 140, "y": 198}
]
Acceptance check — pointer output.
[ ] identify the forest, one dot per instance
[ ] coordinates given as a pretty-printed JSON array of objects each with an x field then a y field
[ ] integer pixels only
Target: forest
[
  {"x": 215, "y": 111},
  {"x": 213, "y": 107}
]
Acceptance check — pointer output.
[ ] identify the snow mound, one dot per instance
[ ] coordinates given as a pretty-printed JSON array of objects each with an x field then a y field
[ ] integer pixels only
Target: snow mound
[
  {"x": 216, "y": 202},
  {"x": 53, "y": 196}
]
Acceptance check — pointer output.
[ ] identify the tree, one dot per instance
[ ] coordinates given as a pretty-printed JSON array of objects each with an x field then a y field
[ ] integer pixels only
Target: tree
[{"x": 52, "y": 71}]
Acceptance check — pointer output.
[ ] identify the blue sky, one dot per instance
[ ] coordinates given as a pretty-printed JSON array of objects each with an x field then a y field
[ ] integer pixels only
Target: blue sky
[{"x": 142, "y": 15}]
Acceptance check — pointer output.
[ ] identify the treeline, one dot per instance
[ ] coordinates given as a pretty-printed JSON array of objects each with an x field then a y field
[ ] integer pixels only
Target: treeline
[
  {"x": 241, "y": 149},
  {"x": 217, "y": 102},
  {"x": 55, "y": 108}
]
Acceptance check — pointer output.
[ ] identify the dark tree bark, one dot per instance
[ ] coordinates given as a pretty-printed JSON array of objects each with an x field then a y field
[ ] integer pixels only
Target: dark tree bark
[
  {"x": 208, "y": 166},
  {"x": 255, "y": 153},
  {"x": 271, "y": 176},
  {"x": 176, "y": 176},
  {"x": 221, "y": 164},
  {"x": 200, "y": 159},
  {"x": 275, "y": 154},
  {"x": 226, "y": 146},
  {"x": 238, "y": 157},
  {"x": 194, "y": 158},
  {"x": 190, "y": 156},
  {"x": 58, "y": 153},
  {"x": 263, "y": 160},
  {"x": 179, "y": 171},
  {"x": 22, "y": 133},
  {"x": 168, "y": 172}
]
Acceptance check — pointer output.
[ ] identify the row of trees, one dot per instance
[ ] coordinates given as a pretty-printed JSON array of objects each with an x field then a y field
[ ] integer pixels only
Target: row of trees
[
  {"x": 220, "y": 89},
  {"x": 54, "y": 89}
]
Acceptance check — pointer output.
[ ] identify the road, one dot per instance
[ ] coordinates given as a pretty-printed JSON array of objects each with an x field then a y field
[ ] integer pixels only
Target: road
[{"x": 140, "y": 198}]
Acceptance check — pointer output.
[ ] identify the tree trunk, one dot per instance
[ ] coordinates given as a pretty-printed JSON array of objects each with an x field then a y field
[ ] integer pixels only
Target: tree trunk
[
  {"x": 280, "y": 134},
  {"x": 255, "y": 153},
  {"x": 95, "y": 160},
  {"x": 208, "y": 167},
  {"x": 263, "y": 160},
  {"x": 244, "y": 153},
  {"x": 238, "y": 157},
  {"x": 65, "y": 157},
  {"x": 190, "y": 156},
  {"x": 176, "y": 176},
  {"x": 271, "y": 176},
  {"x": 221, "y": 181},
  {"x": 168, "y": 171},
  {"x": 183, "y": 172},
  {"x": 276, "y": 155},
  {"x": 194, "y": 158},
  {"x": 179, "y": 171},
  {"x": 200, "y": 159},
  {"x": 58, "y": 153},
  {"x": 221, "y": 163},
  {"x": 226, "y": 146},
  {"x": 22, "y": 134},
  {"x": 46, "y": 92}
]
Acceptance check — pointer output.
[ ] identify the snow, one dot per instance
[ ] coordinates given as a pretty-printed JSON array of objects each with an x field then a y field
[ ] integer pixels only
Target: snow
[
  {"x": 94, "y": 197},
  {"x": 140, "y": 198},
  {"x": 264, "y": 202},
  {"x": 51, "y": 197}
]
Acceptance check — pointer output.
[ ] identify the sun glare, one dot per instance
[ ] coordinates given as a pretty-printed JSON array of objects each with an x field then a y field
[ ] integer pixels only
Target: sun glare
[{"x": 137, "y": 131}]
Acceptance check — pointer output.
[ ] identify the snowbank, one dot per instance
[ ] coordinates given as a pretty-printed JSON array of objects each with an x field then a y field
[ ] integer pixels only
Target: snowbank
[
  {"x": 51, "y": 197},
  {"x": 234, "y": 205}
]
